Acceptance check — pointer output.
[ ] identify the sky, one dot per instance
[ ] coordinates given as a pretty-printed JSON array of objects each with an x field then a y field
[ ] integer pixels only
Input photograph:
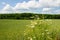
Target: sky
[{"x": 33, "y": 6}]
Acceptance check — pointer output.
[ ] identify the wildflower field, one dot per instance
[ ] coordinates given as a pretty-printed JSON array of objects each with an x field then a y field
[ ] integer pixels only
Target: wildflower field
[{"x": 48, "y": 29}]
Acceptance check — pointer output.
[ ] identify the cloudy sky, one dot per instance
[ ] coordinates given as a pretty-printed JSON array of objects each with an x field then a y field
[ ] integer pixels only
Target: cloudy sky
[{"x": 35, "y": 6}]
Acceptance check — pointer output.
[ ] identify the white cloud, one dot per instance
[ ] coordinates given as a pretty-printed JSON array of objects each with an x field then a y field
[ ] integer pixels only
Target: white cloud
[
  {"x": 57, "y": 11},
  {"x": 46, "y": 5},
  {"x": 46, "y": 9},
  {"x": 21, "y": 6},
  {"x": 27, "y": 5},
  {"x": 51, "y": 11},
  {"x": 7, "y": 8},
  {"x": 50, "y": 3},
  {"x": 37, "y": 4},
  {"x": 5, "y": 12}
]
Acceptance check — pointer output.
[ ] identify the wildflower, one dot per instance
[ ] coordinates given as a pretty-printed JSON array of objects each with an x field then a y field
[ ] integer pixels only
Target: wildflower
[
  {"x": 42, "y": 33},
  {"x": 32, "y": 26},
  {"x": 46, "y": 30},
  {"x": 30, "y": 38},
  {"x": 50, "y": 20},
  {"x": 34, "y": 37},
  {"x": 33, "y": 22}
]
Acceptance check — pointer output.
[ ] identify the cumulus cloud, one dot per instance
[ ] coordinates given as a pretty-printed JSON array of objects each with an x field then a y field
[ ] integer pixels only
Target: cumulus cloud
[
  {"x": 46, "y": 5},
  {"x": 27, "y": 5},
  {"x": 57, "y": 11},
  {"x": 7, "y": 8},
  {"x": 46, "y": 9},
  {"x": 21, "y": 6},
  {"x": 50, "y": 3}
]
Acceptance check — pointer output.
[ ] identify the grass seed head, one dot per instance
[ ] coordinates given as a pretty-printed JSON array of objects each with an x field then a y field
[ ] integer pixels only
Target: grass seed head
[{"x": 32, "y": 26}]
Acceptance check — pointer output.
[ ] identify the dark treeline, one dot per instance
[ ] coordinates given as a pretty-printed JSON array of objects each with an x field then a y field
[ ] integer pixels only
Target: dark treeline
[{"x": 29, "y": 16}]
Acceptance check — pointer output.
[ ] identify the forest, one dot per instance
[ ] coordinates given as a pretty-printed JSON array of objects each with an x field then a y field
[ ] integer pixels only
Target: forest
[{"x": 29, "y": 16}]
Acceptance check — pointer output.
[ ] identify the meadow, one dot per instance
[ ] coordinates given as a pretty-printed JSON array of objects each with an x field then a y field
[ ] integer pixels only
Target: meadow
[{"x": 47, "y": 29}]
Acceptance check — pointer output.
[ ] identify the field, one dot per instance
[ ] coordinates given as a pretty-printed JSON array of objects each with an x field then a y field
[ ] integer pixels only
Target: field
[{"x": 47, "y": 29}]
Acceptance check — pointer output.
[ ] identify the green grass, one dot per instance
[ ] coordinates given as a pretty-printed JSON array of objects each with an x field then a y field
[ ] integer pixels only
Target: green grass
[{"x": 23, "y": 30}]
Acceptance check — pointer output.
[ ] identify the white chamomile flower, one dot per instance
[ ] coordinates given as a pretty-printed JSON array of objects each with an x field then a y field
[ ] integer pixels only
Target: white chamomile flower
[
  {"x": 32, "y": 26},
  {"x": 35, "y": 23},
  {"x": 46, "y": 30},
  {"x": 31, "y": 39}
]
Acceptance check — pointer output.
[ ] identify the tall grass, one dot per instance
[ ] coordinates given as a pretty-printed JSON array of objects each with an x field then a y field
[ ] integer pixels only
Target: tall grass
[
  {"x": 29, "y": 30},
  {"x": 40, "y": 30}
]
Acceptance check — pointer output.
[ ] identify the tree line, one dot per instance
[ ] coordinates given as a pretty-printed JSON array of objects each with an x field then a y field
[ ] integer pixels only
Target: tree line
[{"x": 29, "y": 16}]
